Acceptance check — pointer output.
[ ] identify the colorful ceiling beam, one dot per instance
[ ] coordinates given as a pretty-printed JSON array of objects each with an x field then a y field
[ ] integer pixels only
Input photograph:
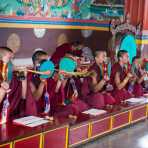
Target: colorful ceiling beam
[{"x": 58, "y": 23}]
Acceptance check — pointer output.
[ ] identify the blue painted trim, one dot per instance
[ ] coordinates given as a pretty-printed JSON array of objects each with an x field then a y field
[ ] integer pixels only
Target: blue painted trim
[{"x": 48, "y": 22}]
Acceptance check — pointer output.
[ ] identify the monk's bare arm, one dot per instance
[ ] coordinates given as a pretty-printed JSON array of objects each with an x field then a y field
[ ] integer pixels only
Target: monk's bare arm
[
  {"x": 2, "y": 94},
  {"x": 37, "y": 92},
  {"x": 24, "y": 85},
  {"x": 58, "y": 86},
  {"x": 96, "y": 86},
  {"x": 119, "y": 84},
  {"x": 24, "y": 88},
  {"x": 4, "y": 89}
]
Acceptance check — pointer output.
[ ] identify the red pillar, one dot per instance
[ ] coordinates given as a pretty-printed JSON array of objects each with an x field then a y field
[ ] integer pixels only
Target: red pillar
[
  {"x": 127, "y": 6},
  {"x": 136, "y": 10},
  {"x": 134, "y": 5},
  {"x": 140, "y": 11},
  {"x": 145, "y": 19}
]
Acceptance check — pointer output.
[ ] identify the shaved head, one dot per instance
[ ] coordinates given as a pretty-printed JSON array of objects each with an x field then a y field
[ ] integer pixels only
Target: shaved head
[
  {"x": 98, "y": 52},
  {"x": 100, "y": 56}
]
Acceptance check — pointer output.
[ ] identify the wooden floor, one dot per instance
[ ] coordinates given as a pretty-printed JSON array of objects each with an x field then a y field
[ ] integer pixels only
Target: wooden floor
[{"x": 135, "y": 136}]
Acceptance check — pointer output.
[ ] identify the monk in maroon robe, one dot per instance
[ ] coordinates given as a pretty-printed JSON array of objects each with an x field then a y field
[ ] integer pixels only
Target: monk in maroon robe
[
  {"x": 66, "y": 96},
  {"x": 37, "y": 89},
  {"x": 63, "y": 49},
  {"x": 13, "y": 89},
  {"x": 120, "y": 77},
  {"x": 72, "y": 92},
  {"x": 140, "y": 75},
  {"x": 93, "y": 88},
  {"x": 15, "y": 96},
  {"x": 37, "y": 85},
  {"x": 60, "y": 52}
]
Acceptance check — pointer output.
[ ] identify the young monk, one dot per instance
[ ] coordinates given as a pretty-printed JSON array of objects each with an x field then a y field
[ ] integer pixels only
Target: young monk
[
  {"x": 12, "y": 90},
  {"x": 37, "y": 87},
  {"x": 140, "y": 75},
  {"x": 66, "y": 94},
  {"x": 93, "y": 88},
  {"x": 36, "y": 84},
  {"x": 121, "y": 76}
]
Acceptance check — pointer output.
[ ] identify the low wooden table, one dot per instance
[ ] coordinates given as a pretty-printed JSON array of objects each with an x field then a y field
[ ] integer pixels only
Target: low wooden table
[{"x": 64, "y": 133}]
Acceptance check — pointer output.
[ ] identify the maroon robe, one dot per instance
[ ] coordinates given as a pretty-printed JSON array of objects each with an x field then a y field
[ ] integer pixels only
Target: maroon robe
[
  {"x": 96, "y": 99},
  {"x": 60, "y": 53},
  {"x": 14, "y": 99},
  {"x": 40, "y": 103},
  {"x": 31, "y": 104},
  {"x": 78, "y": 104},
  {"x": 138, "y": 88},
  {"x": 17, "y": 104},
  {"x": 23, "y": 107},
  {"x": 18, "y": 107},
  {"x": 74, "y": 108},
  {"x": 123, "y": 93}
]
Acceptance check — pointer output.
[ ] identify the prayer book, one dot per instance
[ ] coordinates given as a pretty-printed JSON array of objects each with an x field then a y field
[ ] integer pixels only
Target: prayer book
[
  {"x": 94, "y": 112},
  {"x": 30, "y": 121}
]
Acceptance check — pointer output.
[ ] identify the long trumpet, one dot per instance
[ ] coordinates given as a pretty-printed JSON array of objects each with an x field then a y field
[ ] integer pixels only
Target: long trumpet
[
  {"x": 47, "y": 71},
  {"x": 24, "y": 69},
  {"x": 39, "y": 72},
  {"x": 76, "y": 74}
]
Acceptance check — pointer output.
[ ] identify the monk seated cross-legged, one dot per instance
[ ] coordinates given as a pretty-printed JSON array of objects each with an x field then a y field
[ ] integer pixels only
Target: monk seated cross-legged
[
  {"x": 66, "y": 95},
  {"x": 122, "y": 77},
  {"x": 140, "y": 74},
  {"x": 12, "y": 90},
  {"x": 39, "y": 86},
  {"x": 94, "y": 87}
]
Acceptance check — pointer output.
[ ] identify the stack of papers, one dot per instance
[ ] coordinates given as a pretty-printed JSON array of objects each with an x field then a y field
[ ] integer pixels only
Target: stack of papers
[
  {"x": 94, "y": 112},
  {"x": 145, "y": 99},
  {"x": 30, "y": 121},
  {"x": 133, "y": 101},
  {"x": 146, "y": 95}
]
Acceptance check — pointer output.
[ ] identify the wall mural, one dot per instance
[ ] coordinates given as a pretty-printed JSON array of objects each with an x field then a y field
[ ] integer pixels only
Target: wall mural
[{"x": 73, "y": 9}]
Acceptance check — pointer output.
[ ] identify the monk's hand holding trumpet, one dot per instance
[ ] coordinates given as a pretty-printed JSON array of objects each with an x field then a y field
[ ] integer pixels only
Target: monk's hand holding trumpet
[{"x": 21, "y": 72}]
